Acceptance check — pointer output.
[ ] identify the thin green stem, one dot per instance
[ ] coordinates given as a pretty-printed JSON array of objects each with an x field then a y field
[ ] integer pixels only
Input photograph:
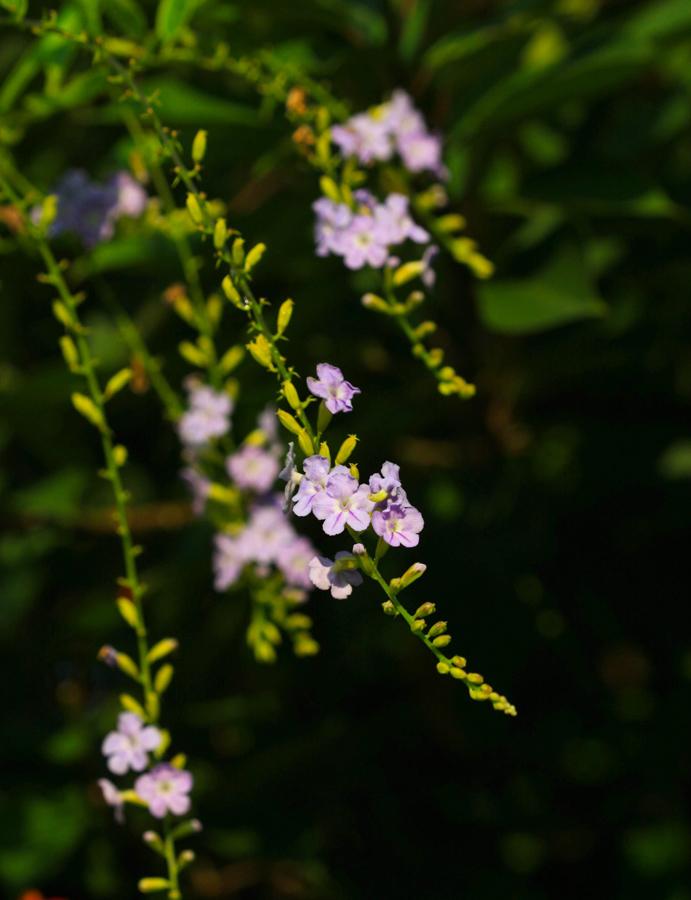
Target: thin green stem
[{"x": 87, "y": 367}]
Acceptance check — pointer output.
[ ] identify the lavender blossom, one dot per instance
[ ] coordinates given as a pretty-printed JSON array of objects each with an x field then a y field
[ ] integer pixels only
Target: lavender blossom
[
  {"x": 317, "y": 470},
  {"x": 113, "y": 798},
  {"x": 165, "y": 789},
  {"x": 253, "y": 468},
  {"x": 332, "y": 388},
  {"x": 398, "y": 525},
  {"x": 343, "y": 502},
  {"x": 332, "y": 220},
  {"x": 422, "y": 153},
  {"x": 388, "y": 480},
  {"x": 395, "y": 224},
  {"x": 91, "y": 210},
  {"x": 293, "y": 560},
  {"x": 230, "y": 556},
  {"x": 127, "y": 747},
  {"x": 364, "y": 136},
  {"x": 327, "y": 576},
  {"x": 361, "y": 244},
  {"x": 208, "y": 416},
  {"x": 266, "y": 533}
]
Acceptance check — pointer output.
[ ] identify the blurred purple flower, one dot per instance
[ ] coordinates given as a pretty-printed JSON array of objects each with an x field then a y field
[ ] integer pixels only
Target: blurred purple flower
[
  {"x": 395, "y": 224},
  {"x": 230, "y": 556},
  {"x": 363, "y": 136},
  {"x": 127, "y": 748},
  {"x": 199, "y": 487},
  {"x": 293, "y": 560},
  {"x": 165, "y": 788},
  {"x": 361, "y": 244},
  {"x": 208, "y": 416},
  {"x": 253, "y": 468},
  {"x": 113, "y": 798}
]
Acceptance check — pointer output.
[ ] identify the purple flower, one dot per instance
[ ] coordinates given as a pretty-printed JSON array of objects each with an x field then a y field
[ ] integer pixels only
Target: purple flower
[
  {"x": 230, "y": 556},
  {"x": 199, "y": 487},
  {"x": 400, "y": 116},
  {"x": 268, "y": 424},
  {"x": 399, "y": 525},
  {"x": 208, "y": 416},
  {"x": 343, "y": 502},
  {"x": 388, "y": 481},
  {"x": 394, "y": 223},
  {"x": 253, "y": 468},
  {"x": 428, "y": 276},
  {"x": 113, "y": 798},
  {"x": 332, "y": 388},
  {"x": 363, "y": 136},
  {"x": 131, "y": 196},
  {"x": 90, "y": 210},
  {"x": 365, "y": 199},
  {"x": 317, "y": 470},
  {"x": 361, "y": 244},
  {"x": 267, "y": 531},
  {"x": 327, "y": 576},
  {"x": 293, "y": 560},
  {"x": 422, "y": 153},
  {"x": 332, "y": 220},
  {"x": 127, "y": 747},
  {"x": 164, "y": 789}
]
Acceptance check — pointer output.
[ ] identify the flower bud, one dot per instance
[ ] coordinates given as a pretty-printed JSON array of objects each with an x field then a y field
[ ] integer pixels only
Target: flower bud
[
  {"x": 231, "y": 292},
  {"x": 261, "y": 352},
  {"x": 389, "y": 608},
  {"x": 407, "y": 272},
  {"x": 442, "y": 668},
  {"x": 194, "y": 209},
  {"x": 163, "y": 678},
  {"x": 289, "y": 422},
  {"x": 346, "y": 449},
  {"x": 418, "y": 626},
  {"x": 424, "y": 329},
  {"x": 436, "y": 629},
  {"x": 362, "y": 556},
  {"x": 378, "y": 497},
  {"x": 185, "y": 829},
  {"x": 131, "y": 705},
  {"x": 459, "y": 661},
  {"x": 395, "y": 585},
  {"x": 254, "y": 256},
  {"x": 231, "y": 359},
  {"x": 427, "y": 609},
  {"x": 354, "y": 471},
  {"x": 457, "y": 673},
  {"x": 150, "y": 885},
  {"x": 108, "y": 655},
  {"x": 128, "y": 611},
  {"x": 291, "y": 394},
  {"x": 127, "y": 665},
  {"x": 161, "y": 649},
  {"x": 325, "y": 452},
  {"x": 414, "y": 300},
  {"x": 306, "y": 646},
  {"x": 474, "y": 678},
  {"x": 442, "y": 640},
  {"x": 49, "y": 211},
  {"x": 330, "y": 188},
  {"x": 238, "y": 252},
  {"x": 436, "y": 356},
  {"x": 284, "y": 315},
  {"x": 199, "y": 146},
  {"x": 179, "y": 761},
  {"x": 417, "y": 570},
  {"x": 69, "y": 352},
  {"x": 154, "y": 841},
  {"x": 305, "y": 442},
  {"x": 451, "y": 222},
  {"x": 375, "y": 303},
  {"x": 185, "y": 858},
  {"x": 323, "y": 418},
  {"x": 120, "y": 455},
  {"x": 220, "y": 234},
  {"x": 476, "y": 694}
]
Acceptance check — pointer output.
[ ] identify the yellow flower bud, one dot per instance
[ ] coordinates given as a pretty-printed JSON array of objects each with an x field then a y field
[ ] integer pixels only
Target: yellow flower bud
[
  {"x": 199, "y": 146},
  {"x": 289, "y": 422},
  {"x": 346, "y": 449},
  {"x": 324, "y": 450},
  {"x": 194, "y": 209},
  {"x": 442, "y": 668},
  {"x": 220, "y": 234},
  {"x": 305, "y": 442},
  {"x": 231, "y": 292},
  {"x": 284, "y": 314},
  {"x": 238, "y": 252},
  {"x": 291, "y": 394}
]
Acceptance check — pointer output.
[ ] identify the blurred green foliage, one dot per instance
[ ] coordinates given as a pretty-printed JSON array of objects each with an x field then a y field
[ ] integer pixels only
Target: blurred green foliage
[{"x": 556, "y": 501}]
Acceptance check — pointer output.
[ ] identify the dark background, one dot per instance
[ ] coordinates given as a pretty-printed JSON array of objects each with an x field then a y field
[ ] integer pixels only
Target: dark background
[{"x": 555, "y": 501}]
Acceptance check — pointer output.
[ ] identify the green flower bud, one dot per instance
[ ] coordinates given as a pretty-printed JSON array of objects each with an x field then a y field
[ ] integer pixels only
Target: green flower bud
[
  {"x": 199, "y": 146},
  {"x": 442, "y": 640},
  {"x": 220, "y": 234},
  {"x": 436, "y": 629},
  {"x": 418, "y": 626},
  {"x": 231, "y": 292},
  {"x": 427, "y": 609},
  {"x": 442, "y": 668},
  {"x": 289, "y": 422},
  {"x": 389, "y": 608},
  {"x": 194, "y": 209},
  {"x": 323, "y": 418},
  {"x": 324, "y": 450},
  {"x": 238, "y": 252},
  {"x": 284, "y": 315},
  {"x": 417, "y": 570},
  {"x": 291, "y": 394},
  {"x": 305, "y": 442},
  {"x": 151, "y": 885}
]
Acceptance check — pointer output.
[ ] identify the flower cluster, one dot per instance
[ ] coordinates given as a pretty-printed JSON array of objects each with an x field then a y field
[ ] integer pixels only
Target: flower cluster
[
  {"x": 207, "y": 417},
  {"x": 90, "y": 210},
  {"x": 267, "y": 539},
  {"x": 164, "y": 788},
  {"x": 393, "y": 127},
  {"x": 366, "y": 234}
]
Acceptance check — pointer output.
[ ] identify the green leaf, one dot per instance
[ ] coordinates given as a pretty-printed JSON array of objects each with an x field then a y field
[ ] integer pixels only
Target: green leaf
[
  {"x": 558, "y": 294},
  {"x": 172, "y": 16},
  {"x": 660, "y": 20},
  {"x": 127, "y": 16},
  {"x": 413, "y": 29},
  {"x": 454, "y": 47}
]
